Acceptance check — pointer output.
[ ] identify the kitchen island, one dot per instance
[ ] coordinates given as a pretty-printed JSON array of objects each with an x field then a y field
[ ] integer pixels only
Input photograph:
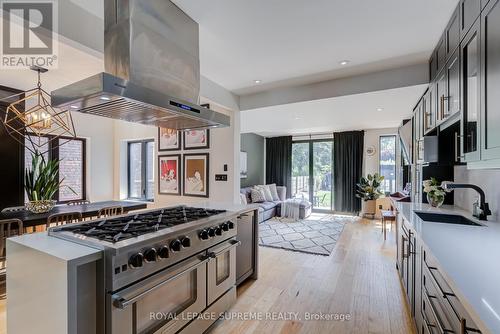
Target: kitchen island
[
  {"x": 185, "y": 265},
  {"x": 459, "y": 259}
]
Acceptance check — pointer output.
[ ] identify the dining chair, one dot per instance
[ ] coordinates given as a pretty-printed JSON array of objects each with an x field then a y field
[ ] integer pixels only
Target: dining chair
[
  {"x": 110, "y": 211},
  {"x": 13, "y": 209},
  {"x": 58, "y": 219},
  {"x": 8, "y": 228},
  {"x": 78, "y": 202}
]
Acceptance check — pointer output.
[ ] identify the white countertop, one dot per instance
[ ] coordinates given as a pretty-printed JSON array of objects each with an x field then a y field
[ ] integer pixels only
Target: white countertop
[
  {"x": 66, "y": 251},
  {"x": 469, "y": 256}
]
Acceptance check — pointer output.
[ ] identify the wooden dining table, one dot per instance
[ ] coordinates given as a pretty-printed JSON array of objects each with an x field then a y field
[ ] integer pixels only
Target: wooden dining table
[{"x": 30, "y": 219}]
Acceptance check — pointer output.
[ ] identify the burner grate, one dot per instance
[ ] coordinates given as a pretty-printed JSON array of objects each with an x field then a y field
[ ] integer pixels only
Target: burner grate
[{"x": 126, "y": 227}]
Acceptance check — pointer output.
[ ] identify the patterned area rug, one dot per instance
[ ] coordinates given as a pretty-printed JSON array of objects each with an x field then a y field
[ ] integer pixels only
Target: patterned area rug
[{"x": 315, "y": 235}]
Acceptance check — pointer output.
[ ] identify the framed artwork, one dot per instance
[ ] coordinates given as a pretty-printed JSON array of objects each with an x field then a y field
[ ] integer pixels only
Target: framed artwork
[
  {"x": 169, "y": 139},
  {"x": 169, "y": 177},
  {"x": 243, "y": 165},
  {"x": 196, "y": 174},
  {"x": 196, "y": 139}
]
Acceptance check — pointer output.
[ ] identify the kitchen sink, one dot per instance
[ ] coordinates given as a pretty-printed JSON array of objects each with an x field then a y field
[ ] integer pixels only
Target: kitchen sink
[{"x": 446, "y": 218}]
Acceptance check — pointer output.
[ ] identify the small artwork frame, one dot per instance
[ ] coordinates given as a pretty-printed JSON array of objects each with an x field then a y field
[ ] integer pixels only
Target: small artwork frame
[
  {"x": 196, "y": 139},
  {"x": 196, "y": 172},
  {"x": 243, "y": 165},
  {"x": 169, "y": 174},
  {"x": 169, "y": 140}
]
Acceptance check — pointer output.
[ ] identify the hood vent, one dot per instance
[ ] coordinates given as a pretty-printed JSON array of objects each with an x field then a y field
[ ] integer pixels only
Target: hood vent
[{"x": 151, "y": 59}]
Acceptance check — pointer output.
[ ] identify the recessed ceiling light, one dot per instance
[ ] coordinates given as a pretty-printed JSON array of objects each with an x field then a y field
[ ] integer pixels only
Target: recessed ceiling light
[
  {"x": 105, "y": 98},
  {"x": 380, "y": 109},
  {"x": 297, "y": 118},
  {"x": 73, "y": 106},
  {"x": 257, "y": 81},
  {"x": 344, "y": 62}
]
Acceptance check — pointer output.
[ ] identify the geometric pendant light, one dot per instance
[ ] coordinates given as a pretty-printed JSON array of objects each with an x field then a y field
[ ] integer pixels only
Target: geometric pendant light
[{"x": 31, "y": 118}]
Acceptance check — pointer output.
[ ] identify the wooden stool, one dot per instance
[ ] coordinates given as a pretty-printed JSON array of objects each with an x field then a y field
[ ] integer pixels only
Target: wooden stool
[{"x": 387, "y": 216}]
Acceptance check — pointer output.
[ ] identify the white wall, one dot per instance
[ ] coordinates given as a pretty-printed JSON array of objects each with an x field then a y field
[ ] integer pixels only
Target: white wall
[
  {"x": 224, "y": 144},
  {"x": 99, "y": 155},
  {"x": 371, "y": 163},
  {"x": 488, "y": 180}
]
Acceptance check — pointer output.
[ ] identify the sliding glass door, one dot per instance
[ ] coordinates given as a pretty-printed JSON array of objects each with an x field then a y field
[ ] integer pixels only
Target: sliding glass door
[{"x": 312, "y": 166}]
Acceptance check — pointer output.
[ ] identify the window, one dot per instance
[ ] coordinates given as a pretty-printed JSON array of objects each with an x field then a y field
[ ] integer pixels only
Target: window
[
  {"x": 71, "y": 153},
  {"x": 387, "y": 161},
  {"x": 141, "y": 170}
]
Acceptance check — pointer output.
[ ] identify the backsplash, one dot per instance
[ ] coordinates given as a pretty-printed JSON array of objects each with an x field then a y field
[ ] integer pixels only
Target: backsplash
[{"x": 488, "y": 180}]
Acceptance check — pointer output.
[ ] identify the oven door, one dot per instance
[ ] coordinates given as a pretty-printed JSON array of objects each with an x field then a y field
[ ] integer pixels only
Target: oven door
[
  {"x": 221, "y": 269},
  {"x": 161, "y": 303}
]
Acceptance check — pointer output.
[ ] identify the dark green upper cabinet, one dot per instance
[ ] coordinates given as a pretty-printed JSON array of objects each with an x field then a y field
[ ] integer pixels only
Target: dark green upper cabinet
[
  {"x": 452, "y": 85},
  {"x": 453, "y": 33},
  {"x": 490, "y": 79},
  {"x": 432, "y": 66},
  {"x": 429, "y": 108},
  {"x": 469, "y": 13},
  {"x": 441, "y": 53},
  {"x": 470, "y": 50}
]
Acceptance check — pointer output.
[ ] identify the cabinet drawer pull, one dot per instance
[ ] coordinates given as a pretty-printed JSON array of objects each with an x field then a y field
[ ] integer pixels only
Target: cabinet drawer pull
[{"x": 444, "y": 293}]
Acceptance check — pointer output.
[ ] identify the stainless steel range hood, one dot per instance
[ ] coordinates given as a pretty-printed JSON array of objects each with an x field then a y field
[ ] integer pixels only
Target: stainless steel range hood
[{"x": 151, "y": 59}]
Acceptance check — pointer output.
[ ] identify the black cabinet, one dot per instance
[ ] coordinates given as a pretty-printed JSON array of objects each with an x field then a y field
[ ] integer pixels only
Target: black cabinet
[
  {"x": 470, "y": 94},
  {"x": 469, "y": 13},
  {"x": 12, "y": 153},
  {"x": 490, "y": 79},
  {"x": 432, "y": 67}
]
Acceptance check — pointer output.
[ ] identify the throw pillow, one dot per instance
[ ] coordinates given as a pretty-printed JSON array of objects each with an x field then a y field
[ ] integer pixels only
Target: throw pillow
[
  {"x": 257, "y": 196},
  {"x": 243, "y": 199},
  {"x": 274, "y": 191},
  {"x": 267, "y": 193}
]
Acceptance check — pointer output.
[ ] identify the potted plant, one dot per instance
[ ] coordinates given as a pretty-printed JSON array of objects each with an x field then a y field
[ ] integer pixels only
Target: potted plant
[
  {"x": 435, "y": 193},
  {"x": 368, "y": 190},
  {"x": 41, "y": 183}
]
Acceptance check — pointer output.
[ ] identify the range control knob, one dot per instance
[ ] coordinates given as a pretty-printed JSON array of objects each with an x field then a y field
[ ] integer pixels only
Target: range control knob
[
  {"x": 211, "y": 232},
  {"x": 225, "y": 226},
  {"x": 175, "y": 245},
  {"x": 203, "y": 235},
  {"x": 186, "y": 242},
  {"x": 230, "y": 224},
  {"x": 135, "y": 261},
  {"x": 163, "y": 252},
  {"x": 218, "y": 230},
  {"x": 150, "y": 255}
]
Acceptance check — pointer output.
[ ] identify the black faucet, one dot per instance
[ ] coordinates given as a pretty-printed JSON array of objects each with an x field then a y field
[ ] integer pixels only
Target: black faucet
[{"x": 484, "y": 208}]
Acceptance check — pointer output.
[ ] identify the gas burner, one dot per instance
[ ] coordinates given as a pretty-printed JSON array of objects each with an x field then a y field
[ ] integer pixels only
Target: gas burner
[{"x": 126, "y": 227}]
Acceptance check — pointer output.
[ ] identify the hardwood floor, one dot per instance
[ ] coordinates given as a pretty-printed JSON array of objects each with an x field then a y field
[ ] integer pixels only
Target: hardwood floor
[{"x": 358, "y": 280}]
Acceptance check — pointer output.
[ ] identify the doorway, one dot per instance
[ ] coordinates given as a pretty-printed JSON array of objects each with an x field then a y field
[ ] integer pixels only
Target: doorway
[{"x": 312, "y": 167}]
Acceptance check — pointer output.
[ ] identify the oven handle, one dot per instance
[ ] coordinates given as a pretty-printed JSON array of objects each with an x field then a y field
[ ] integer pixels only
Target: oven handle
[
  {"x": 122, "y": 303},
  {"x": 233, "y": 243}
]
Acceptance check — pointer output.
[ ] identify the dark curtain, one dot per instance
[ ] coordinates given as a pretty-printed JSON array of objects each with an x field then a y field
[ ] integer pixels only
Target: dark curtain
[
  {"x": 279, "y": 162},
  {"x": 348, "y": 165}
]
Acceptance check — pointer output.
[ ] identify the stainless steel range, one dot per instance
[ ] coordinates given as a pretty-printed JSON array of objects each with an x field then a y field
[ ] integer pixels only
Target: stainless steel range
[{"x": 162, "y": 268}]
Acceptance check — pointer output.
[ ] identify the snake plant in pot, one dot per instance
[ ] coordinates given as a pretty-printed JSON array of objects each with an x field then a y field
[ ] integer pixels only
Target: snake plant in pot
[
  {"x": 41, "y": 182},
  {"x": 368, "y": 190}
]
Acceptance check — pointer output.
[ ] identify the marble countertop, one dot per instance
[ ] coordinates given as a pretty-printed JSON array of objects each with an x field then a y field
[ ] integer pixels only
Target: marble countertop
[{"x": 469, "y": 257}]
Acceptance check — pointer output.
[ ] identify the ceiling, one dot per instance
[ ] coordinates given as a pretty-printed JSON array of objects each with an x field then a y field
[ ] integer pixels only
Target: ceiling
[
  {"x": 343, "y": 113},
  {"x": 301, "y": 41}
]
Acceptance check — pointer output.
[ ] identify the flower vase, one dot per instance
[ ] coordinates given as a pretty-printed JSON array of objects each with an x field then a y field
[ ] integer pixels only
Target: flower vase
[{"x": 435, "y": 201}]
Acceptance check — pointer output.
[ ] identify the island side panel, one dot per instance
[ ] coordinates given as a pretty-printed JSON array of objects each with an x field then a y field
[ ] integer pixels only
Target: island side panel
[{"x": 37, "y": 291}]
